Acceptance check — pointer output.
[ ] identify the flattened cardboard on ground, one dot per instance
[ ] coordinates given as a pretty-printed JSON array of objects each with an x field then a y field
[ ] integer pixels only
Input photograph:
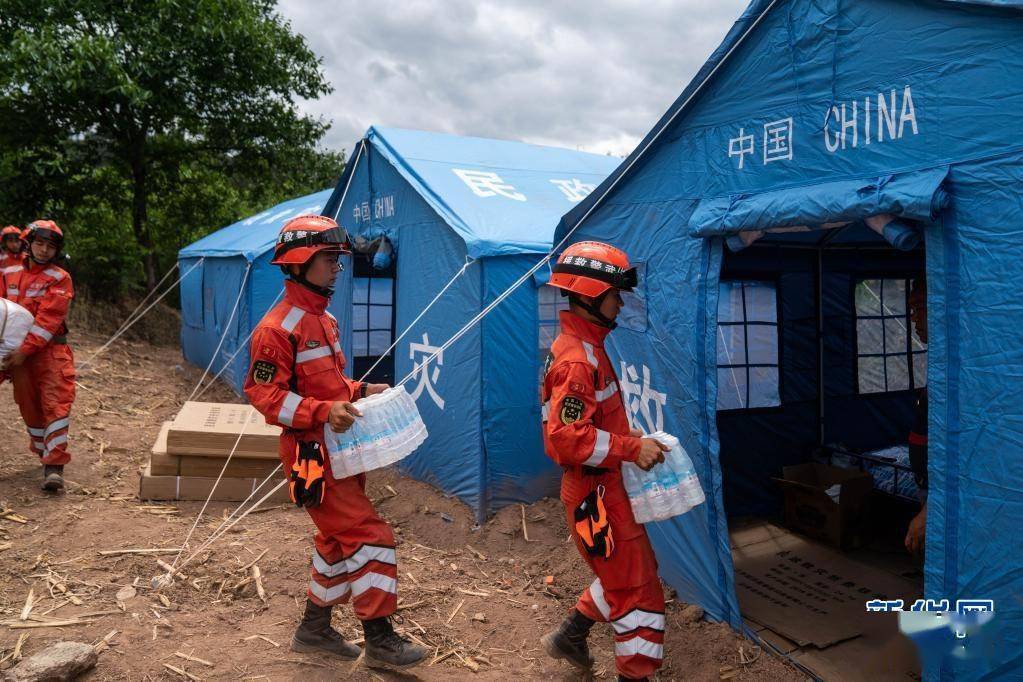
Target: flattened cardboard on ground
[
  {"x": 810, "y": 510},
  {"x": 162, "y": 464},
  {"x": 197, "y": 488},
  {"x": 211, "y": 429},
  {"x": 809, "y": 593},
  {"x": 881, "y": 653}
]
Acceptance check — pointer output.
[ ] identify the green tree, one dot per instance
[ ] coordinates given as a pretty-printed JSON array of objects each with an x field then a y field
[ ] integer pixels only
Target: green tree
[{"x": 134, "y": 98}]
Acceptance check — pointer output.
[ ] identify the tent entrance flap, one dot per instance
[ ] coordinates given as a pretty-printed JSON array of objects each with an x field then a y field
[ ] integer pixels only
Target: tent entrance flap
[{"x": 915, "y": 195}]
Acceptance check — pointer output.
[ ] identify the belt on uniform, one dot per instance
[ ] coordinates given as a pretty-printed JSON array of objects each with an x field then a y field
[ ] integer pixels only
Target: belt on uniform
[{"x": 591, "y": 471}]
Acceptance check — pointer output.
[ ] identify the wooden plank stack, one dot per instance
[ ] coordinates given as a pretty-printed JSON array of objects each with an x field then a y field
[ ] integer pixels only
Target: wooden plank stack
[{"x": 190, "y": 452}]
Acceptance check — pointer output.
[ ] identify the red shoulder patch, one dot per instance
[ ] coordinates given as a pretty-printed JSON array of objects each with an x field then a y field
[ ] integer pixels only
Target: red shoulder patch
[
  {"x": 575, "y": 387},
  {"x": 267, "y": 351}
]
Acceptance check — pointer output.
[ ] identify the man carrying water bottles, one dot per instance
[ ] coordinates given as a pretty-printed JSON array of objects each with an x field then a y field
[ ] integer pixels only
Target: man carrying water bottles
[
  {"x": 587, "y": 432},
  {"x": 296, "y": 380}
]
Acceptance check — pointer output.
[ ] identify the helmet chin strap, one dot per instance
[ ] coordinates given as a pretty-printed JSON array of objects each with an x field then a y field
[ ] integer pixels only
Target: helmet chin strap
[
  {"x": 594, "y": 309},
  {"x": 300, "y": 278}
]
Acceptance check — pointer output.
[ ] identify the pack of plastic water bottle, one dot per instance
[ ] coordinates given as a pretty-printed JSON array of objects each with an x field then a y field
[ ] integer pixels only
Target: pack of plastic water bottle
[
  {"x": 15, "y": 322},
  {"x": 670, "y": 488},
  {"x": 389, "y": 430}
]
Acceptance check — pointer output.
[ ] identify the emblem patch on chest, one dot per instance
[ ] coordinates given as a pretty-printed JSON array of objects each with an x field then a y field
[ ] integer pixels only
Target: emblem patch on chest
[
  {"x": 571, "y": 409},
  {"x": 263, "y": 372},
  {"x": 312, "y": 344}
]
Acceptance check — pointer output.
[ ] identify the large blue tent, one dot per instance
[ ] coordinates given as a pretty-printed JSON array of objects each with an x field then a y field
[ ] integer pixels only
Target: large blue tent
[
  {"x": 474, "y": 215},
  {"x": 814, "y": 113},
  {"x": 444, "y": 203}
]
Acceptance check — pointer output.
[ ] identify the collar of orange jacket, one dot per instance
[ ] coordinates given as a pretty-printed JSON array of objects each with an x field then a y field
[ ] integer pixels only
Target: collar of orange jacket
[
  {"x": 304, "y": 297},
  {"x": 575, "y": 325}
]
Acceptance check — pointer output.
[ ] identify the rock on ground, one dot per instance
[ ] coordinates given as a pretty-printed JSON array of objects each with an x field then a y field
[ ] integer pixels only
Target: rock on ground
[{"x": 56, "y": 663}]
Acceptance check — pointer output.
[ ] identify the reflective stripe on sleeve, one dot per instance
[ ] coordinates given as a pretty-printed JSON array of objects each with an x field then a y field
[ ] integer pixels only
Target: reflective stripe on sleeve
[
  {"x": 287, "y": 413},
  {"x": 600, "y": 449},
  {"x": 40, "y": 332}
]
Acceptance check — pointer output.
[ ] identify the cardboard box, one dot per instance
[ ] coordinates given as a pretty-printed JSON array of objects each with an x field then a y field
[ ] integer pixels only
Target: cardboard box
[
  {"x": 211, "y": 429},
  {"x": 808, "y": 601},
  {"x": 162, "y": 464},
  {"x": 198, "y": 488},
  {"x": 810, "y": 510}
]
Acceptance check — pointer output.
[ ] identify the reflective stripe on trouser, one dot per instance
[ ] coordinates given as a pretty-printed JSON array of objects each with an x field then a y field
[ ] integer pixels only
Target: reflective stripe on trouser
[
  {"x": 627, "y": 593},
  {"x": 44, "y": 389},
  {"x": 354, "y": 556},
  {"x": 637, "y": 616}
]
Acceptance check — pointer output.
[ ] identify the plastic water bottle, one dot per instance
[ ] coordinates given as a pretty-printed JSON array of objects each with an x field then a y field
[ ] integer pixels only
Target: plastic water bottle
[{"x": 632, "y": 477}]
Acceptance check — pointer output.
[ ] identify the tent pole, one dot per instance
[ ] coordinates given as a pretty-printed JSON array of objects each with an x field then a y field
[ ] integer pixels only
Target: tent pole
[{"x": 820, "y": 345}]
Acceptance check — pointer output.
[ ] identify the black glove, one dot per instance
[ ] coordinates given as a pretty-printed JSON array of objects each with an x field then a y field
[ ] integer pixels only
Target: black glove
[{"x": 307, "y": 484}]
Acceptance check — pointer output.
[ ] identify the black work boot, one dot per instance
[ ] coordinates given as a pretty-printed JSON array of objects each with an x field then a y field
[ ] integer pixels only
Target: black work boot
[
  {"x": 385, "y": 648},
  {"x": 569, "y": 641},
  {"x": 53, "y": 477},
  {"x": 314, "y": 634}
]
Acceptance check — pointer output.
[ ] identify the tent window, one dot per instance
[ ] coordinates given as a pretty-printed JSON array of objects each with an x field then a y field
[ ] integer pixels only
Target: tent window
[
  {"x": 549, "y": 302},
  {"x": 888, "y": 356},
  {"x": 747, "y": 345},
  {"x": 372, "y": 315}
]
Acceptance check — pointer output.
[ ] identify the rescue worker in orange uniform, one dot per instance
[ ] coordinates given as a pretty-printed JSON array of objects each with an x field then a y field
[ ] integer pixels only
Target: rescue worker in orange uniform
[
  {"x": 586, "y": 431},
  {"x": 12, "y": 248},
  {"x": 42, "y": 369},
  {"x": 296, "y": 381}
]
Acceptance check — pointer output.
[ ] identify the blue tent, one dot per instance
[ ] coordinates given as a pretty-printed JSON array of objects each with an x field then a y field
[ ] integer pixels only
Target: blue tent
[
  {"x": 814, "y": 113},
  {"x": 229, "y": 271},
  {"x": 476, "y": 214}
]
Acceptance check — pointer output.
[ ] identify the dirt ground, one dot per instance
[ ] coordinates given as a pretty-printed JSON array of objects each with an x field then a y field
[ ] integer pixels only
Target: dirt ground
[{"x": 475, "y": 595}]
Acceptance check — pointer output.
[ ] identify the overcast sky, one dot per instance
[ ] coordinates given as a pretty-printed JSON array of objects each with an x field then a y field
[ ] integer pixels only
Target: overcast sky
[{"x": 590, "y": 75}]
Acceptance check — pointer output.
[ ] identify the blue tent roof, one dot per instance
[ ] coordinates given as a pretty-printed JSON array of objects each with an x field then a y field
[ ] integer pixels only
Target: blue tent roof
[
  {"x": 255, "y": 235},
  {"x": 500, "y": 197},
  {"x": 743, "y": 26}
]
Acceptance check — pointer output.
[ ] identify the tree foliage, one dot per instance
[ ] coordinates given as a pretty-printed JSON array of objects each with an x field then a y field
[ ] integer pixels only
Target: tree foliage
[{"x": 142, "y": 124}]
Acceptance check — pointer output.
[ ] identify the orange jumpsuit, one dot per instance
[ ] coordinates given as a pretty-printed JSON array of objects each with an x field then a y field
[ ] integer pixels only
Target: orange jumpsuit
[
  {"x": 295, "y": 376},
  {"x": 44, "y": 385},
  {"x": 586, "y": 431}
]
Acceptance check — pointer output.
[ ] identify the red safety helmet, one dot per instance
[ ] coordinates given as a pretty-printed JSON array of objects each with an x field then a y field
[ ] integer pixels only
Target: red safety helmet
[
  {"x": 10, "y": 230},
  {"x": 593, "y": 268},
  {"x": 45, "y": 229},
  {"x": 302, "y": 237}
]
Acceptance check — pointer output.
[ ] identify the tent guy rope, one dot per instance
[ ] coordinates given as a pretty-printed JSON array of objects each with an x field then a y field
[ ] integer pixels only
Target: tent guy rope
[{"x": 126, "y": 327}]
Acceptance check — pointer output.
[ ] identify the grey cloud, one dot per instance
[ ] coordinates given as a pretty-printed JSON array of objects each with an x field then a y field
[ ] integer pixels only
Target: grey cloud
[{"x": 588, "y": 75}]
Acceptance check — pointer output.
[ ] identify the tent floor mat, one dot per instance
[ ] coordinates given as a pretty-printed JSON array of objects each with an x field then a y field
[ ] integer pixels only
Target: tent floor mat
[{"x": 807, "y": 601}]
